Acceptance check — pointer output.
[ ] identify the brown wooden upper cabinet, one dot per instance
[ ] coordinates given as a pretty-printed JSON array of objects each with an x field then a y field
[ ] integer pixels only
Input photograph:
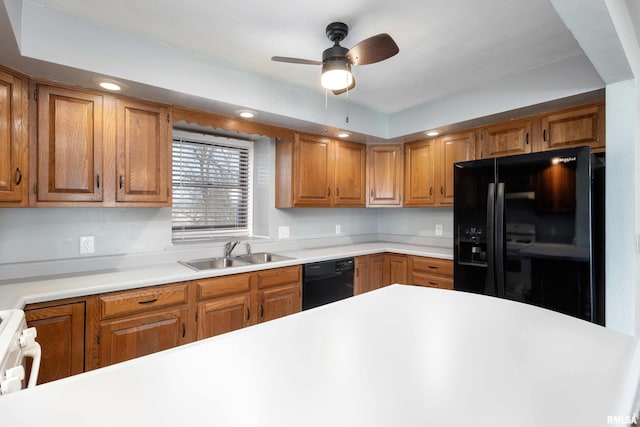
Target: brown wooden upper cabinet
[
  {"x": 419, "y": 173},
  {"x": 69, "y": 145},
  {"x": 314, "y": 171},
  {"x": 14, "y": 166},
  {"x": 385, "y": 164},
  {"x": 143, "y": 143},
  {"x": 429, "y": 168},
  {"x": 93, "y": 149},
  {"x": 504, "y": 139},
  {"x": 579, "y": 126}
]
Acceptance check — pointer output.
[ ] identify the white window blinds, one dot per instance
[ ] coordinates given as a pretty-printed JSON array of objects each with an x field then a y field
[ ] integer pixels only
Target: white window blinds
[{"x": 211, "y": 186}]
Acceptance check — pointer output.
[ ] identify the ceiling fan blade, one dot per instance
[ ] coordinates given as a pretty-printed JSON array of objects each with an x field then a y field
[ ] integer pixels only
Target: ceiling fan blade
[
  {"x": 372, "y": 50},
  {"x": 341, "y": 91},
  {"x": 295, "y": 60}
]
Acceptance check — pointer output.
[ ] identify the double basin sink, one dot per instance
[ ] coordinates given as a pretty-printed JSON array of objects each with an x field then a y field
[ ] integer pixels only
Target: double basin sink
[{"x": 237, "y": 261}]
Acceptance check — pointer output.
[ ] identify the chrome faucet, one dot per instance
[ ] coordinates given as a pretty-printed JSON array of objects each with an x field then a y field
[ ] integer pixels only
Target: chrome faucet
[
  {"x": 248, "y": 245},
  {"x": 229, "y": 247}
]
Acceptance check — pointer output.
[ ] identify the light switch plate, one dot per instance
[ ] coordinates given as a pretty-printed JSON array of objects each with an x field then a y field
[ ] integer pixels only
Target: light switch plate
[
  {"x": 87, "y": 245},
  {"x": 338, "y": 229},
  {"x": 438, "y": 229}
]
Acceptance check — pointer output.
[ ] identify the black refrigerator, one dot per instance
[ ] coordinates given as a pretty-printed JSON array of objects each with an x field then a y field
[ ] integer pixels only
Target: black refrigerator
[{"x": 530, "y": 228}]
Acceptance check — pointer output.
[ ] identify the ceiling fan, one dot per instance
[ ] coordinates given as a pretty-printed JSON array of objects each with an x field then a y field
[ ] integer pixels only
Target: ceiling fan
[{"x": 337, "y": 60}]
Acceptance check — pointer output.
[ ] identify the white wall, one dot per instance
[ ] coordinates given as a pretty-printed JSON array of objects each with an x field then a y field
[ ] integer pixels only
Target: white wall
[{"x": 623, "y": 183}]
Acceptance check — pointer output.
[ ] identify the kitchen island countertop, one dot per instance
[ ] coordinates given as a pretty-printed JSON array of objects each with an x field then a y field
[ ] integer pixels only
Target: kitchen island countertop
[
  {"x": 15, "y": 294},
  {"x": 398, "y": 356}
]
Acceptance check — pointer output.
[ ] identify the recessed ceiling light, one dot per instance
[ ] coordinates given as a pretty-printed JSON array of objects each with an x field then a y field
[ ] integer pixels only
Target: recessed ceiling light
[
  {"x": 246, "y": 114},
  {"x": 109, "y": 84},
  {"x": 343, "y": 134},
  {"x": 433, "y": 133}
]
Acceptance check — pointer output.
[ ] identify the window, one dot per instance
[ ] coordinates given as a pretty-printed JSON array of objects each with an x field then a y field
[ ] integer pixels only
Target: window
[{"x": 211, "y": 186}]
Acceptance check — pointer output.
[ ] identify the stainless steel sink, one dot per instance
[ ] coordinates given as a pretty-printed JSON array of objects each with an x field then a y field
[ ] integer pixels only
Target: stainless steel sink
[
  {"x": 261, "y": 258},
  {"x": 213, "y": 263}
]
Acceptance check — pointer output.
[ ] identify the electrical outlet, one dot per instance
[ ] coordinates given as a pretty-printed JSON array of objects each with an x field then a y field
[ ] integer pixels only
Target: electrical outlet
[
  {"x": 438, "y": 229},
  {"x": 338, "y": 229},
  {"x": 283, "y": 232},
  {"x": 87, "y": 245}
]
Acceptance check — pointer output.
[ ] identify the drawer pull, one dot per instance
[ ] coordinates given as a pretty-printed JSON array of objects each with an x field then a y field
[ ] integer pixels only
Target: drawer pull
[
  {"x": 433, "y": 267},
  {"x": 248, "y": 314},
  {"x": 19, "y": 178},
  {"x": 261, "y": 311},
  {"x": 151, "y": 301},
  {"x": 433, "y": 283},
  {"x": 184, "y": 329}
]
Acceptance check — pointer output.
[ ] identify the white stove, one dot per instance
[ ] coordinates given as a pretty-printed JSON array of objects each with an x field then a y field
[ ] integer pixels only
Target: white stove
[{"x": 17, "y": 342}]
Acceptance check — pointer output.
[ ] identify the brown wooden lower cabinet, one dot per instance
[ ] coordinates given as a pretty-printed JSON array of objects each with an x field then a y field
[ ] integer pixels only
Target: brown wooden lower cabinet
[
  {"x": 395, "y": 269},
  {"x": 136, "y": 336},
  {"x": 431, "y": 272},
  {"x": 223, "y": 315},
  {"x": 61, "y": 335},
  {"x": 279, "y": 302},
  {"x": 378, "y": 270}
]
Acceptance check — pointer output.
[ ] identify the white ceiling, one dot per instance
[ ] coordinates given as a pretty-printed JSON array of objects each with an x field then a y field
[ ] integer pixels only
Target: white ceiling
[{"x": 447, "y": 48}]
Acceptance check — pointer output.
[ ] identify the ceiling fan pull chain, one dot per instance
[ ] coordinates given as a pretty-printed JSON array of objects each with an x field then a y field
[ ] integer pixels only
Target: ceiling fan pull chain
[{"x": 346, "y": 119}]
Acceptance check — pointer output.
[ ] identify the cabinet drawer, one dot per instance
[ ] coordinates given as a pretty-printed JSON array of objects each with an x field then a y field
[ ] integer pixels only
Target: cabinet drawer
[
  {"x": 279, "y": 276},
  {"x": 225, "y": 285},
  {"x": 432, "y": 265},
  {"x": 432, "y": 280},
  {"x": 127, "y": 302}
]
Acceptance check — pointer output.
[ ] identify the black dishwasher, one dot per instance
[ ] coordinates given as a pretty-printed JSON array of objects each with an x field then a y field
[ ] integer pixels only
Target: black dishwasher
[{"x": 326, "y": 281}]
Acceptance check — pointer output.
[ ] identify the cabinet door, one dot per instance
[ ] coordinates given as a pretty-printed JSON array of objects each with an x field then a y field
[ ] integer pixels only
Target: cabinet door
[
  {"x": 385, "y": 178},
  {"x": 396, "y": 269},
  {"x": 143, "y": 143},
  {"x": 419, "y": 178},
  {"x": 61, "y": 336},
  {"x": 584, "y": 126},
  {"x": 69, "y": 145},
  {"x": 279, "y": 302},
  {"x": 452, "y": 148},
  {"x": 13, "y": 141},
  {"x": 376, "y": 271},
  {"x": 504, "y": 139},
  {"x": 223, "y": 315},
  {"x": 313, "y": 171},
  {"x": 132, "y": 337},
  {"x": 350, "y": 176},
  {"x": 361, "y": 280}
]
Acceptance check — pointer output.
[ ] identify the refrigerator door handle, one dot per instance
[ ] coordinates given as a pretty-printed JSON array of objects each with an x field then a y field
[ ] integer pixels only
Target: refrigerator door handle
[
  {"x": 499, "y": 239},
  {"x": 490, "y": 288}
]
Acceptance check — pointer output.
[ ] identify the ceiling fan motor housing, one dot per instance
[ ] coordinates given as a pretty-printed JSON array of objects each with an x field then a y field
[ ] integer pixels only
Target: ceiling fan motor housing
[{"x": 337, "y": 31}]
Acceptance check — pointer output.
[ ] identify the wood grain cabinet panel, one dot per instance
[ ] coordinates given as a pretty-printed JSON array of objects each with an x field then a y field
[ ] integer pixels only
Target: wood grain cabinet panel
[
  {"x": 505, "y": 139},
  {"x": 350, "y": 176},
  {"x": 575, "y": 127},
  {"x": 223, "y": 315},
  {"x": 61, "y": 335},
  {"x": 396, "y": 270},
  {"x": 69, "y": 145},
  {"x": 143, "y": 144},
  {"x": 132, "y": 337},
  {"x": 420, "y": 176},
  {"x": 278, "y": 302},
  {"x": 315, "y": 171},
  {"x": 452, "y": 148},
  {"x": 140, "y": 300},
  {"x": 385, "y": 166},
  {"x": 431, "y": 272},
  {"x": 14, "y": 163}
]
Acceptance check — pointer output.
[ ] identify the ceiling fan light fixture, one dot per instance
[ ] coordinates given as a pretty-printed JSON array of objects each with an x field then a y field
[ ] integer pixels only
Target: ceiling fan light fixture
[{"x": 336, "y": 75}]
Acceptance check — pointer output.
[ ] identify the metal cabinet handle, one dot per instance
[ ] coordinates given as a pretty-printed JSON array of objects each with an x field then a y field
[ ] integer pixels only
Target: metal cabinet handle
[
  {"x": 544, "y": 135},
  {"x": 371, "y": 193},
  {"x": 433, "y": 267},
  {"x": 184, "y": 329},
  {"x": 248, "y": 314},
  {"x": 261, "y": 311},
  {"x": 433, "y": 283},
  {"x": 121, "y": 181},
  {"x": 526, "y": 137},
  {"x": 98, "y": 180},
  {"x": 431, "y": 191},
  {"x": 151, "y": 301},
  {"x": 19, "y": 176},
  {"x": 338, "y": 192},
  {"x": 442, "y": 190},
  {"x": 328, "y": 191}
]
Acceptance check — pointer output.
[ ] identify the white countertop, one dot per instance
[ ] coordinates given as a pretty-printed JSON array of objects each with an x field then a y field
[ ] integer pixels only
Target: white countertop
[
  {"x": 17, "y": 293},
  {"x": 398, "y": 356}
]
